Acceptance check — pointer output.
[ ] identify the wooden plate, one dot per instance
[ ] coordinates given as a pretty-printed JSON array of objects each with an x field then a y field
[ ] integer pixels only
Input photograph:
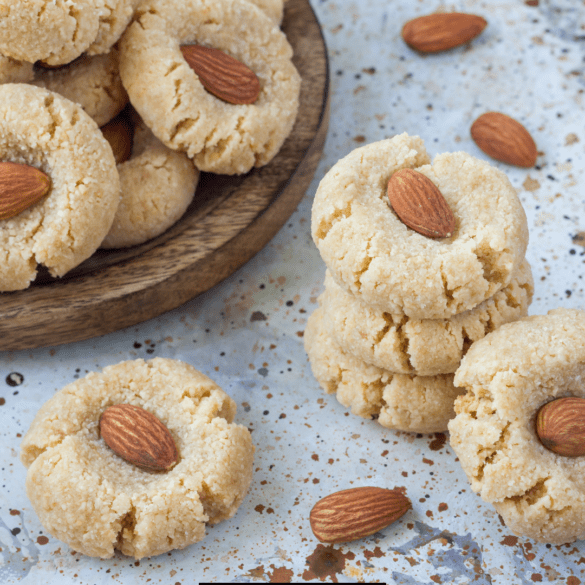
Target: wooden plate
[{"x": 231, "y": 219}]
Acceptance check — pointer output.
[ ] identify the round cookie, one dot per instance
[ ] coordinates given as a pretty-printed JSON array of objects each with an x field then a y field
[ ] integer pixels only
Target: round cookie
[
  {"x": 375, "y": 256},
  {"x": 426, "y": 347},
  {"x": 96, "y": 502},
  {"x": 509, "y": 375},
  {"x": 158, "y": 184},
  {"x": 58, "y": 31},
  {"x": 218, "y": 136},
  {"x": 398, "y": 401},
  {"x": 44, "y": 130},
  {"x": 92, "y": 82}
]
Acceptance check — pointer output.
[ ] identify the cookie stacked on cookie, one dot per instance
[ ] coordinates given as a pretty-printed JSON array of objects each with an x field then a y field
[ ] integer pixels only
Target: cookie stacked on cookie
[{"x": 400, "y": 309}]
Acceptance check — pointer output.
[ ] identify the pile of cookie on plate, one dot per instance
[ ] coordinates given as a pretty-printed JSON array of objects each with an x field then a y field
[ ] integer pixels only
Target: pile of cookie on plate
[{"x": 109, "y": 111}]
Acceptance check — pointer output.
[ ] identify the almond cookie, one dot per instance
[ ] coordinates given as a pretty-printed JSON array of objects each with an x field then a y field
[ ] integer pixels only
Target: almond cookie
[
  {"x": 374, "y": 255},
  {"x": 58, "y": 31},
  {"x": 92, "y": 82},
  {"x": 509, "y": 376},
  {"x": 97, "y": 502},
  {"x": 425, "y": 347},
  {"x": 157, "y": 186},
  {"x": 421, "y": 404},
  {"x": 46, "y": 131},
  {"x": 220, "y": 137}
]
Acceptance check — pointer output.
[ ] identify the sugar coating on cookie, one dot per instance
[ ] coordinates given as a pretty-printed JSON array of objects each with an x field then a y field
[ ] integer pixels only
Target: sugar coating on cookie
[
  {"x": 425, "y": 347},
  {"x": 509, "y": 375},
  {"x": 372, "y": 254},
  {"x": 44, "y": 130},
  {"x": 95, "y": 501},
  {"x": 272, "y": 8},
  {"x": 157, "y": 186},
  {"x": 218, "y": 136},
  {"x": 115, "y": 17},
  {"x": 422, "y": 404},
  {"x": 92, "y": 82},
  {"x": 55, "y": 31}
]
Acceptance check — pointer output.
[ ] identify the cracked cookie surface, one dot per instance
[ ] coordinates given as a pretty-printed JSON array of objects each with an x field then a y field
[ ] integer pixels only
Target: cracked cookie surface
[
  {"x": 157, "y": 186},
  {"x": 92, "y": 82},
  {"x": 219, "y": 137},
  {"x": 375, "y": 256},
  {"x": 421, "y": 404},
  {"x": 88, "y": 497},
  {"x": 44, "y": 130},
  {"x": 509, "y": 375},
  {"x": 58, "y": 31},
  {"x": 425, "y": 347}
]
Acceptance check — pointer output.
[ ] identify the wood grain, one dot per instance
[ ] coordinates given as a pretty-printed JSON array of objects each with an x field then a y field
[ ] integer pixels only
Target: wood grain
[{"x": 231, "y": 219}]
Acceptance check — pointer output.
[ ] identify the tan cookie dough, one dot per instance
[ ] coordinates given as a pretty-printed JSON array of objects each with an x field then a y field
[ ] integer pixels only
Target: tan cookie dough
[
  {"x": 509, "y": 375},
  {"x": 218, "y": 136},
  {"x": 426, "y": 347},
  {"x": 371, "y": 253},
  {"x": 44, "y": 130},
  {"x": 272, "y": 8},
  {"x": 58, "y": 31},
  {"x": 96, "y": 502},
  {"x": 92, "y": 82},
  {"x": 398, "y": 401},
  {"x": 157, "y": 186}
]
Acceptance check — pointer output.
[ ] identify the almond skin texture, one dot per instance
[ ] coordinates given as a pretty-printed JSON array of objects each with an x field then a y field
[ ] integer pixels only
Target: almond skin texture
[
  {"x": 21, "y": 186},
  {"x": 222, "y": 75},
  {"x": 358, "y": 512},
  {"x": 439, "y": 32},
  {"x": 420, "y": 205},
  {"x": 138, "y": 436},
  {"x": 504, "y": 139},
  {"x": 560, "y": 426},
  {"x": 120, "y": 134}
]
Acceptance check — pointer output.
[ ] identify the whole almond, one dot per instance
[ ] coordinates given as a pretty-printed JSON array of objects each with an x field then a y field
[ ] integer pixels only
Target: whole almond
[
  {"x": 504, "y": 139},
  {"x": 439, "y": 32},
  {"x": 358, "y": 512},
  {"x": 560, "y": 426},
  {"x": 21, "y": 186},
  {"x": 138, "y": 436},
  {"x": 120, "y": 134},
  {"x": 222, "y": 75},
  {"x": 420, "y": 205}
]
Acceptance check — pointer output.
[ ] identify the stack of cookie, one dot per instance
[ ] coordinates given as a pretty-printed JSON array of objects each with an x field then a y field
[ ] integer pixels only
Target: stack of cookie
[
  {"x": 190, "y": 111},
  {"x": 401, "y": 309}
]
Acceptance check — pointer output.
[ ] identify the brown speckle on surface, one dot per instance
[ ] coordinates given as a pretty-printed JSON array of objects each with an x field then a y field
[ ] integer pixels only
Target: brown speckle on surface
[
  {"x": 258, "y": 316},
  {"x": 259, "y": 508},
  {"x": 280, "y": 575},
  {"x": 376, "y": 553},
  {"x": 579, "y": 239},
  {"x": 42, "y": 540},
  {"x": 15, "y": 512},
  {"x": 438, "y": 442},
  {"x": 443, "y": 507},
  {"x": 531, "y": 184},
  {"x": 326, "y": 561},
  {"x": 360, "y": 138},
  {"x": 531, "y": 2},
  {"x": 571, "y": 138}
]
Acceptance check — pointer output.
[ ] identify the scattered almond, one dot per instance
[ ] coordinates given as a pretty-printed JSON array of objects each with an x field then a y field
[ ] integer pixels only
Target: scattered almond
[
  {"x": 439, "y": 32},
  {"x": 21, "y": 186},
  {"x": 120, "y": 134},
  {"x": 420, "y": 205},
  {"x": 222, "y": 75},
  {"x": 138, "y": 436},
  {"x": 560, "y": 426},
  {"x": 504, "y": 139},
  {"x": 358, "y": 512}
]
